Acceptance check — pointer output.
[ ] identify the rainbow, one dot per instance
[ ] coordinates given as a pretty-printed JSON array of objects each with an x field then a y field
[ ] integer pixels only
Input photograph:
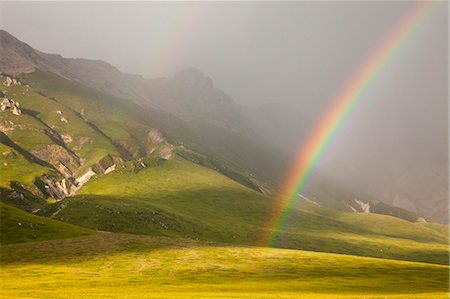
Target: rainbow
[{"x": 325, "y": 132}]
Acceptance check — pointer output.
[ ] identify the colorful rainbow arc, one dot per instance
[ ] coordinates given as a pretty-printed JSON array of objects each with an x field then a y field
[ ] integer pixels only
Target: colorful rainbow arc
[{"x": 326, "y": 130}]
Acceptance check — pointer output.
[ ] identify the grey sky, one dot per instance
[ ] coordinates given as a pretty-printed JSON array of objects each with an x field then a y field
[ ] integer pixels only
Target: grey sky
[{"x": 256, "y": 51}]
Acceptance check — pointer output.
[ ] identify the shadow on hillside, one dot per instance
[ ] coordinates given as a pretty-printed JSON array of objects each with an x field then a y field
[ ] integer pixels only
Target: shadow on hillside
[{"x": 236, "y": 216}]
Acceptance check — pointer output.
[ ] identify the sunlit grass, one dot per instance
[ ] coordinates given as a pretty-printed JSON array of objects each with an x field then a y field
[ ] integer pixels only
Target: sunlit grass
[
  {"x": 181, "y": 199},
  {"x": 131, "y": 266}
]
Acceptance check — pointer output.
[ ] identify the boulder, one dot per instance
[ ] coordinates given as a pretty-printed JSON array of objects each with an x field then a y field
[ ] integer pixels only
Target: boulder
[{"x": 10, "y": 104}]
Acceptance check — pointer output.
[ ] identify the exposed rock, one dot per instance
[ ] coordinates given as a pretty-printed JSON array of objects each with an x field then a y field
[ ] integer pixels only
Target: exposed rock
[
  {"x": 59, "y": 112},
  {"x": 363, "y": 206},
  {"x": 105, "y": 165},
  {"x": 62, "y": 186},
  {"x": 64, "y": 170},
  {"x": 10, "y": 104},
  {"x": 155, "y": 136},
  {"x": 56, "y": 155},
  {"x": 52, "y": 188},
  {"x": 165, "y": 153},
  {"x": 11, "y": 81},
  {"x": 16, "y": 195},
  {"x": 349, "y": 206},
  {"x": 151, "y": 150},
  {"x": 16, "y": 110},
  {"x": 263, "y": 188},
  {"x": 110, "y": 169},
  {"x": 64, "y": 120},
  {"x": 8, "y": 81},
  {"x": 5, "y": 127},
  {"x": 84, "y": 178},
  {"x": 66, "y": 138}
]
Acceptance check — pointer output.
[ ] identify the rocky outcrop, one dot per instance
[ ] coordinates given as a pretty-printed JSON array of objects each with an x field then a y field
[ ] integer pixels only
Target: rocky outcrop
[
  {"x": 85, "y": 177},
  {"x": 106, "y": 165},
  {"x": 165, "y": 153},
  {"x": 66, "y": 138},
  {"x": 52, "y": 188},
  {"x": 155, "y": 136},
  {"x": 11, "y": 81},
  {"x": 69, "y": 185},
  {"x": 11, "y": 105},
  {"x": 63, "y": 160}
]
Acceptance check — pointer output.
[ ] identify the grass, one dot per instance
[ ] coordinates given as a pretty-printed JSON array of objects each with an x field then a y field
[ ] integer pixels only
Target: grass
[
  {"x": 30, "y": 131},
  {"x": 12, "y": 167},
  {"x": 177, "y": 198},
  {"x": 17, "y": 226},
  {"x": 110, "y": 265}
]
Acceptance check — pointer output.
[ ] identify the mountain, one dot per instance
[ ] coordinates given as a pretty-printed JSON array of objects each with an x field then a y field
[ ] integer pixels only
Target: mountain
[
  {"x": 102, "y": 189},
  {"x": 191, "y": 111},
  {"x": 189, "y": 95},
  {"x": 411, "y": 178},
  {"x": 57, "y": 133}
]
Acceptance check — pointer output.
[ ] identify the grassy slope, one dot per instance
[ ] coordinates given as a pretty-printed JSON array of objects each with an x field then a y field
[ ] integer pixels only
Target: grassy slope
[
  {"x": 15, "y": 167},
  {"x": 17, "y": 226},
  {"x": 179, "y": 198},
  {"x": 132, "y": 266}
]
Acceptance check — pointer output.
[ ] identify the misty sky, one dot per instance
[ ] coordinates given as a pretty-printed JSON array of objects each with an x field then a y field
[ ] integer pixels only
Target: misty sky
[
  {"x": 298, "y": 54},
  {"x": 257, "y": 52},
  {"x": 294, "y": 54}
]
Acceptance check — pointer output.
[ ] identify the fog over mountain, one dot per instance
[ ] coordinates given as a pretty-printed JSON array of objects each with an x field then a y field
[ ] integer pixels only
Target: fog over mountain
[{"x": 280, "y": 66}]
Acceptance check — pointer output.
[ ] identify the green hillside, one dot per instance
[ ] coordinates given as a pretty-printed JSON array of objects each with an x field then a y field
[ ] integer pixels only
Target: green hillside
[
  {"x": 110, "y": 197},
  {"x": 178, "y": 198},
  {"x": 17, "y": 226},
  {"x": 131, "y": 266},
  {"x": 66, "y": 128}
]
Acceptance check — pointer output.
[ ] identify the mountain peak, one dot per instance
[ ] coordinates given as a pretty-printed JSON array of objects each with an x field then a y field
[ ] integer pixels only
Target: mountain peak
[
  {"x": 16, "y": 56},
  {"x": 194, "y": 77}
]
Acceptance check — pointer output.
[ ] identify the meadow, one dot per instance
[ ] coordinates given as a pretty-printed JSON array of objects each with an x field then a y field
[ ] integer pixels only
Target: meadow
[{"x": 111, "y": 265}]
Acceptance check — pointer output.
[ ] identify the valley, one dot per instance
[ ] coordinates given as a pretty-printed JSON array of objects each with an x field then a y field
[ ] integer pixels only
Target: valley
[{"x": 117, "y": 186}]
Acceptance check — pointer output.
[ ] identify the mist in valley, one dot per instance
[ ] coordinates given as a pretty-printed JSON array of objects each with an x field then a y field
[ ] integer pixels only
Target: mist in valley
[{"x": 280, "y": 67}]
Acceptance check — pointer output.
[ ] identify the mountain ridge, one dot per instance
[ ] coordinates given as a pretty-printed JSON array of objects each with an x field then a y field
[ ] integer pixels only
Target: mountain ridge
[
  {"x": 20, "y": 58},
  {"x": 189, "y": 96}
]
